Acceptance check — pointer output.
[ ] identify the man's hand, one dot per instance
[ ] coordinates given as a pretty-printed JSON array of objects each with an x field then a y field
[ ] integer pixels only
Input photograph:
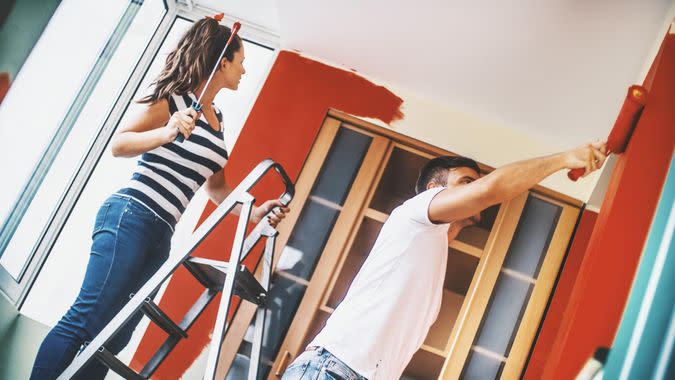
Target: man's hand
[
  {"x": 458, "y": 225},
  {"x": 588, "y": 156},
  {"x": 278, "y": 212}
]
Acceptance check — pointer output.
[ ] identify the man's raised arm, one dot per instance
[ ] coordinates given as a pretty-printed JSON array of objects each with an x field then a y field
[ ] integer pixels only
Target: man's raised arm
[{"x": 508, "y": 181}]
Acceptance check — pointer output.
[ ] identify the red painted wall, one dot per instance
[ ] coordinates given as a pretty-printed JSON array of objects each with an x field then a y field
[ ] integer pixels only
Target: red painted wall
[
  {"x": 596, "y": 304},
  {"x": 561, "y": 296},
  {"x": 4, "y": 85},
  {"x": 282, "y": 125}
]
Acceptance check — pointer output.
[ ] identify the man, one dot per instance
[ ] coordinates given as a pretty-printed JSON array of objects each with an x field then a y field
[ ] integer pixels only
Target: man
[{"x": 396, "y": 296}]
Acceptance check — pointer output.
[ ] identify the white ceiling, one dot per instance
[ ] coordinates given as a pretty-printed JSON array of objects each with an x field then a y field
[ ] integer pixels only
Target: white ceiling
[{"x": 555, "y": 69}]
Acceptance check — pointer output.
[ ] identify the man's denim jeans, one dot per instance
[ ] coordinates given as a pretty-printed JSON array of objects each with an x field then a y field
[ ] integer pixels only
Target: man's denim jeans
[{"x": 318, "y": 364}]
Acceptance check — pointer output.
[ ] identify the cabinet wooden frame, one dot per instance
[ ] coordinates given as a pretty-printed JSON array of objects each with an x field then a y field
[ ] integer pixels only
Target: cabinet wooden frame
[
  {"x": 481, "y": 287},
  {"x": 356, "y": 207}
]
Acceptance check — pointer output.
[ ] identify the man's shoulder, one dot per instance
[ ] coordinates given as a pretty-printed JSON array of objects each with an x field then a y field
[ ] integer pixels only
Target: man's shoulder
[
  {"x": 425, "y": 197},
  {"x": 417, "y": 207}
]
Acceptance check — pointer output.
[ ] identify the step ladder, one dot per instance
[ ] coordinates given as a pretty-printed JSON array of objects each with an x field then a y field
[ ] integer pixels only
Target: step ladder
[{"x": 232, "y": 278}]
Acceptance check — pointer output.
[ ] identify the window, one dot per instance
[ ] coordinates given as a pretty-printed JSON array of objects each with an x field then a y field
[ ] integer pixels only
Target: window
[
  {"x": 67, "y": 161},
  {"x": 70, "y": 252},
  {"x": 55, "y": 108}
]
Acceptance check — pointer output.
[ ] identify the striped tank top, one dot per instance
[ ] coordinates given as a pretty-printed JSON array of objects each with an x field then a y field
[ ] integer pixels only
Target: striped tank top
[{"x": 167, "y": 177}]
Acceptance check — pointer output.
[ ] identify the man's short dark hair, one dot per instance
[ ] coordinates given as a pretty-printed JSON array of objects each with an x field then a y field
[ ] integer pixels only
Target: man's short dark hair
[{"x": 436, "y": 170}]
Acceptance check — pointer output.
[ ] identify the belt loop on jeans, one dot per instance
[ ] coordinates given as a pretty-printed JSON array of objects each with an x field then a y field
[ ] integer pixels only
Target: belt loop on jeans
[{"x": 319, "y": 349}]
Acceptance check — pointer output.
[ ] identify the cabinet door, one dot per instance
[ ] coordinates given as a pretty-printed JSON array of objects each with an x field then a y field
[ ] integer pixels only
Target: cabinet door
[
  {"x": 324, "y": 221},
  {"x": 512, "y": 298},
  {"x": 237, "y": 330}
]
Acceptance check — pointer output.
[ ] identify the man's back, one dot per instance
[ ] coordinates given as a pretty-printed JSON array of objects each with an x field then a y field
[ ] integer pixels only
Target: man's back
[{"x": 395, "y": 297}]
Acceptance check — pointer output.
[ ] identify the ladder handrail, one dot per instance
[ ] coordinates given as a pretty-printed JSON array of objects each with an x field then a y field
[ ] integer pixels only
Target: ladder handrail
[
  {"x": 260, "y": 171},
  {"x": 239, "y": 195},
  {"x": 236, "y": 196}
]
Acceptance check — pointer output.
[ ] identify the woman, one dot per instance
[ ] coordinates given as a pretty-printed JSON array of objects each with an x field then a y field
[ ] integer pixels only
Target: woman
[{"x": 133, "y": 228}]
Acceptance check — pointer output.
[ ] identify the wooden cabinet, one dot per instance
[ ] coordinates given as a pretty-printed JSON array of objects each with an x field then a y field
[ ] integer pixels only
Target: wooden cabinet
[{"x": 498, "y": 278}]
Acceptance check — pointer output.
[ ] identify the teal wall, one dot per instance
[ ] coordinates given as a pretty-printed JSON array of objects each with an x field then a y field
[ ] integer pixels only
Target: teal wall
[
  {"x": 21, "y": 338},
  {"x": 643, "y": 347},
  {"x": 23, "y": 27}
]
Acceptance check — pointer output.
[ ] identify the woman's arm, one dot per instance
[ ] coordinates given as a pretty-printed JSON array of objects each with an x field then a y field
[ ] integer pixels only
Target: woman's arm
[
  {"x": 217, "y": 188},
  {"x": 151, "y": 127}
]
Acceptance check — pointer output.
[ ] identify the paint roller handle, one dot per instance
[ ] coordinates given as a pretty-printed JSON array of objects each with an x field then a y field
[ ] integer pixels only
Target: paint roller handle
[
  {"x": 575, "y": 174},
  {"x": 195, "y": 106}
]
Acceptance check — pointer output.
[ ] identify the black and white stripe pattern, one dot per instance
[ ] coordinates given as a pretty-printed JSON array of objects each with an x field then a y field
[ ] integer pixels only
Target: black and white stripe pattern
[{"x": 168, "y": 176}]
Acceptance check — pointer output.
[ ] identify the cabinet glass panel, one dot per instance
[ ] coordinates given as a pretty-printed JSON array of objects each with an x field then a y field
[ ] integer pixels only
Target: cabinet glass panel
[
  {"x": 319, "y": 214},
  {"x": 503, "y": 314},
  {"x": 305, "y": 245},
  {"x": 533, "y": 236},
  {"x": 482, "y": 366},
  {"x": 309, "y": 237},
  {"x": 363, "y": 243},
  {"x": 341, "y": 165}
]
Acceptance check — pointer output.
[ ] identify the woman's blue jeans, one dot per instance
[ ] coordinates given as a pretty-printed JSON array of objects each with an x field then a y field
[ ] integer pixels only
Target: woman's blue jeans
[{"x": 129, "y": 244}]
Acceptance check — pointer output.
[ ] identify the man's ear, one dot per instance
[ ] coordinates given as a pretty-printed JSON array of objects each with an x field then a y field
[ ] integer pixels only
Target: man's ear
[{"x": 431, "y": 185}]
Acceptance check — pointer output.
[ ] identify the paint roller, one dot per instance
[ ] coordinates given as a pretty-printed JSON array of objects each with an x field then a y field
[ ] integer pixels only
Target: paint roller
[
  {"x": 197, "y": 105},
  {"x": 623, "y": 126}
]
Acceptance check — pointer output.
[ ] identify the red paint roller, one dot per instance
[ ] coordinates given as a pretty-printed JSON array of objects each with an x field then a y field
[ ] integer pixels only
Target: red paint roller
[{"x": 623, "y": 126}]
